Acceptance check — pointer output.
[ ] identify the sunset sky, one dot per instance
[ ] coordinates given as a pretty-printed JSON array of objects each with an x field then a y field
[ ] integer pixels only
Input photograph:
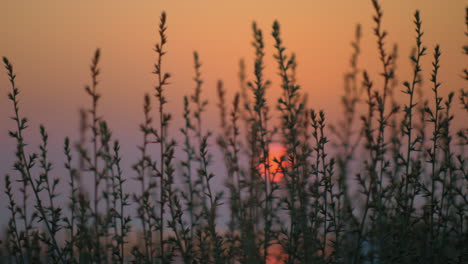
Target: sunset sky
[{"x": 50, "y": 44}]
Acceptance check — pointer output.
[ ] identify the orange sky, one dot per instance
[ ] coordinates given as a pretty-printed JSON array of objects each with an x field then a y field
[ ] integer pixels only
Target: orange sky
[{"x": 51, "y": 43}]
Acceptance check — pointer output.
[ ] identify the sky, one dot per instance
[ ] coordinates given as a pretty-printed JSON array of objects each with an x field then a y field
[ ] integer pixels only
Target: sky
[{"x": 50, "y": 44}]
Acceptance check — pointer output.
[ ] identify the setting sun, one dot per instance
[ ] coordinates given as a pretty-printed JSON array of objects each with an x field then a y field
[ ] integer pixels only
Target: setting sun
[{"x": 276, "y": 154}]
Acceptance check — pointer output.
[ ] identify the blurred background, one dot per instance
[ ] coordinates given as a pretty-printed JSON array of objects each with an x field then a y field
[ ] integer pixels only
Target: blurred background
[{"x": 50, "y": 44}]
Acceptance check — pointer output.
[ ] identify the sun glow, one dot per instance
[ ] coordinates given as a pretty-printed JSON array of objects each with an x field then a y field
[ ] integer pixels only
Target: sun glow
[
  {"x": 276, "y": 255},
  {"x": 275, "y": 156}
]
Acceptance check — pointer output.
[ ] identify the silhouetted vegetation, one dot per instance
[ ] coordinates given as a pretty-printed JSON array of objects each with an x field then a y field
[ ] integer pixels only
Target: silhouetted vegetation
[{"x": 385, "y": 185}]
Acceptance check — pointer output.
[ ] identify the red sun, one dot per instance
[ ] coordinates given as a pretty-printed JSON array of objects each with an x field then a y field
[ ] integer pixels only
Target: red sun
[
  {"x": 276, "y": 255},
  {"x": 276, "y": 152}
]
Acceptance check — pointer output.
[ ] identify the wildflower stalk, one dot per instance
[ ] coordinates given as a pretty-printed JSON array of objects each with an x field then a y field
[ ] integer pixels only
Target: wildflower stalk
[
  {"x": 142, "y": 167},
  {"x": 13, "y": 234},
  {"x": 407, "y": 126},
  {"x": 229, "y": 144},
  {"x": 447, "y": 165},
  {"x": 24, "y": 165},
  {"x": 291, "y": 110},
  {"x": 93, "y": 164},
  {"x": 187, "y": 164},
  {"x": 50, "y": 187},
  {"x": 387, "y": 74},
  {"x": 73, "y": 198},
  {"x": 181, "y": 231},
  {"x": 259, "y": 86},
  {"x": 162, "y": 81},
  {"x": 200, "y": 106}
]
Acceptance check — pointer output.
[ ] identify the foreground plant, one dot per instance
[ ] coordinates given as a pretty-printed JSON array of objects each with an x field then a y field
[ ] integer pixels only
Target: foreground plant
[{"x": 24, "y": 164}]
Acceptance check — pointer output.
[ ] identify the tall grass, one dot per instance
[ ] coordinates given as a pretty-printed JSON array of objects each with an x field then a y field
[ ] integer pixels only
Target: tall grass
[{"x": 387, "y": 184}]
